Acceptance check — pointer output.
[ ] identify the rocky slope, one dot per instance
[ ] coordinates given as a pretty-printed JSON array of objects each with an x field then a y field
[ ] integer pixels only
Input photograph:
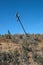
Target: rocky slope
[{"x": 21, "y": 50}]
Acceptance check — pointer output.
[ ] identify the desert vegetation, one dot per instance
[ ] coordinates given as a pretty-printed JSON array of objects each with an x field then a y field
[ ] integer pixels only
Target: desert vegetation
[{"x": 20, "y": 49}]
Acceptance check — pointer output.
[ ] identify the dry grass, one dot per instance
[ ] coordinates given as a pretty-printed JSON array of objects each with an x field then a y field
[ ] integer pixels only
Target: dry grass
[{"x": 30, "y": 49}]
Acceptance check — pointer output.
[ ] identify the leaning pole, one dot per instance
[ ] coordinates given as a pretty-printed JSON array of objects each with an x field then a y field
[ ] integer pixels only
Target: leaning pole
[{"x": 18, "y": 19}]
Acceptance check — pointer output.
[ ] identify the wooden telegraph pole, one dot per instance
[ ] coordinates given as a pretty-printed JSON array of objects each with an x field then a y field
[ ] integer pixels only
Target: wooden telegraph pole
[{"x": 18, "y": 19}]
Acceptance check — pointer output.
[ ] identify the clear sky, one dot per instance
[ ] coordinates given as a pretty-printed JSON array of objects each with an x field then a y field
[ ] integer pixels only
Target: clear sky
[{"x": 31, "y": 13}]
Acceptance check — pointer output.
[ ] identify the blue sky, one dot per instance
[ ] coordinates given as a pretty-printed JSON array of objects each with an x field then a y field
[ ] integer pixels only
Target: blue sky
[{"x": 31, "y": 13}]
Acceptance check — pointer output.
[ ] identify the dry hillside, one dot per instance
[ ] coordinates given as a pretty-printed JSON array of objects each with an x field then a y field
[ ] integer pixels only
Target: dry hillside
[{"x": 21, "y": 49}]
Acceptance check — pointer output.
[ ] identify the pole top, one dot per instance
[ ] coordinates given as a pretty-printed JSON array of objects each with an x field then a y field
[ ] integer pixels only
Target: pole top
[{"x": 17, "y": 16}]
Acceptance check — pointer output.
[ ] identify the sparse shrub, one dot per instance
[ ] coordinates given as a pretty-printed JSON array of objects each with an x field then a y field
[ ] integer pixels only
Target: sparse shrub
[
  {"x": 21, "y": 37},
  {"x": 37, "y": 58},
  {"x": 7, "y": 58}
]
